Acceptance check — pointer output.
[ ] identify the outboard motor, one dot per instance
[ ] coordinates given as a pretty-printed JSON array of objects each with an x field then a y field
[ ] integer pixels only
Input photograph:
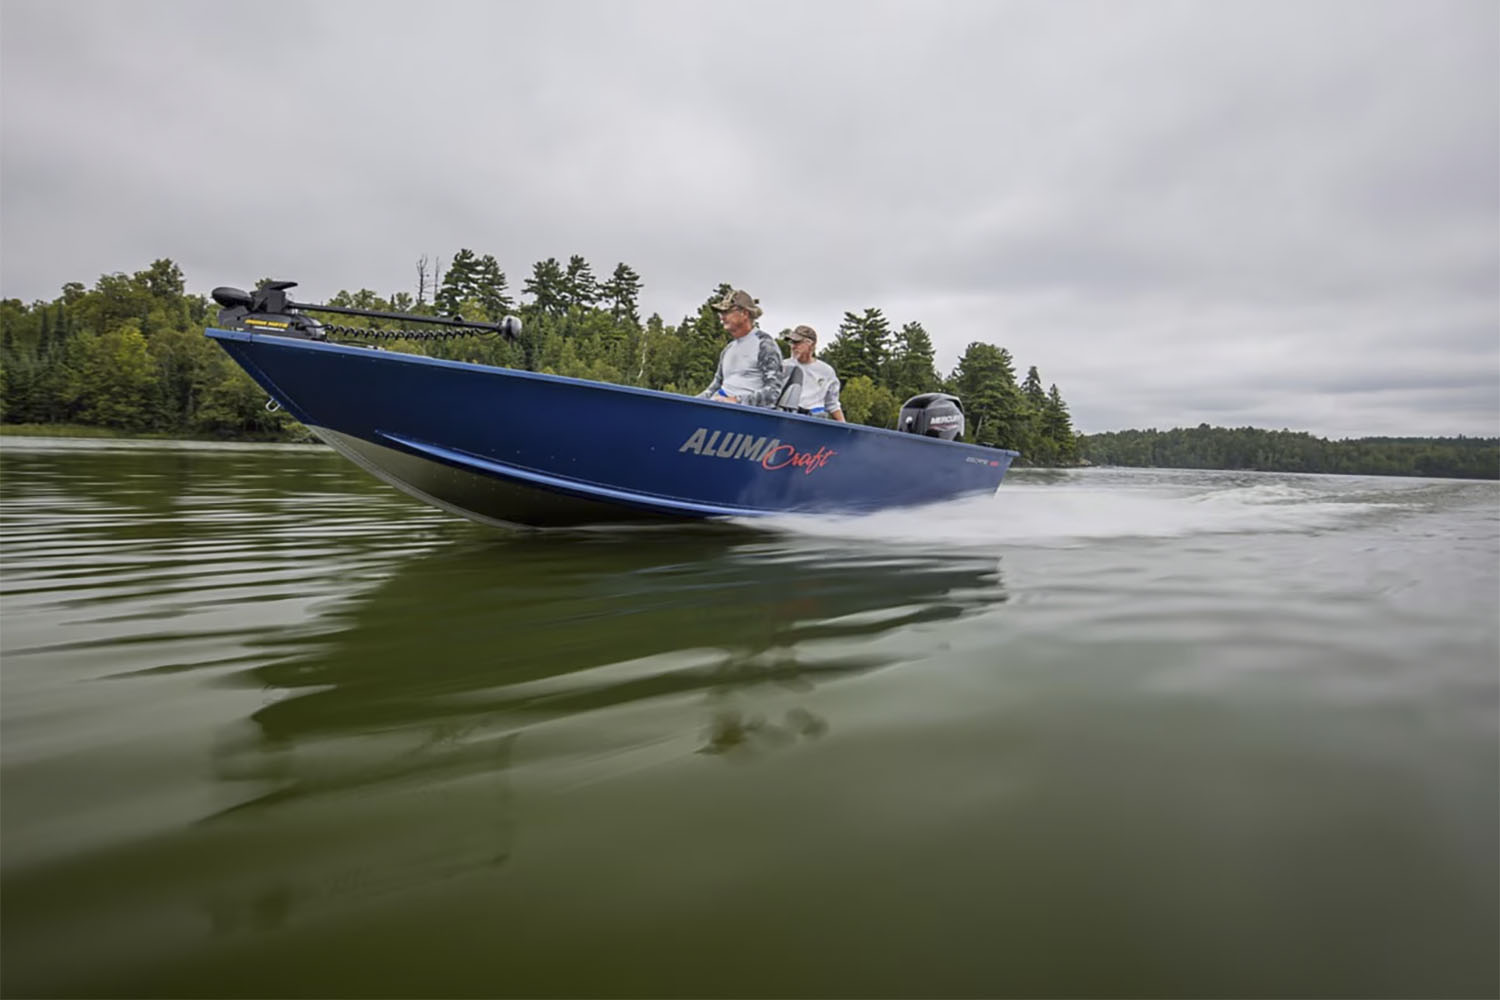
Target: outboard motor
[{"x": 932, "y": 414}]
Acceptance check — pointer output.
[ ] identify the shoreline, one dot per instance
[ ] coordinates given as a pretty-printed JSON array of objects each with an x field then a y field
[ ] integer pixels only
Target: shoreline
[
  {"x": 22, "y": 437},
  {"x": 87, "y": 432}
]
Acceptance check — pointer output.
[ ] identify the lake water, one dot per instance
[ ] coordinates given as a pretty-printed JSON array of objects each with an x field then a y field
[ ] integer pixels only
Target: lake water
[{"x": 271, "y": 728}]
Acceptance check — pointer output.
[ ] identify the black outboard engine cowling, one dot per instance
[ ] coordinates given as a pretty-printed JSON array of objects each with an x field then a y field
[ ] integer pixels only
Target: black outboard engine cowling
[{"x": 932, "y": 414}]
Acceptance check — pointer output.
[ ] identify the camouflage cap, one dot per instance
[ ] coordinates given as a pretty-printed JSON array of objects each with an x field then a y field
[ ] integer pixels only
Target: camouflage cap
[
  {"x": 802, "y": 333},
  {"x": 737, "y": 299}
]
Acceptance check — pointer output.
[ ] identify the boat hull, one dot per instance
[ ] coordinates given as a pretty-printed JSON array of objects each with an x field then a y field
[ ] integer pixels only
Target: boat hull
[{"x": 522, "y": 448}]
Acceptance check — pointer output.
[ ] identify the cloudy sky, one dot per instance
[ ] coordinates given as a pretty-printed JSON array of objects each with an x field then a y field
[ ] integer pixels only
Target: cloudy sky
[{"x": 1280, "y": 213}]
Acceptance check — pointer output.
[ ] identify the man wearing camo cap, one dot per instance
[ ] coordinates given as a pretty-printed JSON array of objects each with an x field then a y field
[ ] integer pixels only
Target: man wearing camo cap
[
  {"x": 749, "y": 369},
  {"x": 817, "y": 384}
]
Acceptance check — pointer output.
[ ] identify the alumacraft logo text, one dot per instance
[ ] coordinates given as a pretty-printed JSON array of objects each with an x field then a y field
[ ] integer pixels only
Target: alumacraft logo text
[{"x": 770, "y": 453}]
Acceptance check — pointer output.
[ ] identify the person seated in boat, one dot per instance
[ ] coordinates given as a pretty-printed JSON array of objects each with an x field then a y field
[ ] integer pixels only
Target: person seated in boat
[
  {"x": 809, "y": 386},
  {"x": 749, "y": 368}
]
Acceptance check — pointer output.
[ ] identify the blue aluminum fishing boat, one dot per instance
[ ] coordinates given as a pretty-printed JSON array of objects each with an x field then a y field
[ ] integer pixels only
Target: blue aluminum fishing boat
[{"x": 511, "y": 447}]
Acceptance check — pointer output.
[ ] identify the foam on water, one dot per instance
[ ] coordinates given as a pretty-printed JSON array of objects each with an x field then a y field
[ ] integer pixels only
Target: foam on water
[{"x": 1092, "y": 505}]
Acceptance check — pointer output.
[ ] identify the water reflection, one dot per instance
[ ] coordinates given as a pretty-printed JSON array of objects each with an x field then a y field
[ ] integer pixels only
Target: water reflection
[
  {"x": 421, "y": 683},
  {"x": 732, "y": 731},
  {"x": 533, "y": 628},
  {"x": 407, "y": 707},
  {"x": 160, "y": 478}
]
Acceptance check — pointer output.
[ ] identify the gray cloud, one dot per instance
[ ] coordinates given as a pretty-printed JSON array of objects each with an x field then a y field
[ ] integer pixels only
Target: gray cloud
[{"x": 1233, "y": 212}]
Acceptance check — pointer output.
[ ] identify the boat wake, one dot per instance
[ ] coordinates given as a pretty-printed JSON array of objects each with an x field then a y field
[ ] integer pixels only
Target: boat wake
[{"x": 1050, "y": 509}]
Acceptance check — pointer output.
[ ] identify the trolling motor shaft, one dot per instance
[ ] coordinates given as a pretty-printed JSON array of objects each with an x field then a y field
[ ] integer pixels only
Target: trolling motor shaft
[{"x": 267, "y": 309}]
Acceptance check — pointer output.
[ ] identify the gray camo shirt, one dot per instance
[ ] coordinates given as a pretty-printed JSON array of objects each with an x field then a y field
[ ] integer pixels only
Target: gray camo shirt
[{"x": 750, "y": 368}]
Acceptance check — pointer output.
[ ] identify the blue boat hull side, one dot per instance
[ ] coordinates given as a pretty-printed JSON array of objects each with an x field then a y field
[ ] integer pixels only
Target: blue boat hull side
[
  {"x": 525, "y": 448},
  {"x": 481, "y": 497}
]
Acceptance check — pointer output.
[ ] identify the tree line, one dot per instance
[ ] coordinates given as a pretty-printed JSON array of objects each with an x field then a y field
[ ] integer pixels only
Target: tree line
[
  {"x": 129, "y": 354},
  {"x": 1205, "y": 447}
]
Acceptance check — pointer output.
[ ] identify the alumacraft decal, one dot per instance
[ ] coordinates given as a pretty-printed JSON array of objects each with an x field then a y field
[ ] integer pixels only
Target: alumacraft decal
[{"x": 771, "y": 453}]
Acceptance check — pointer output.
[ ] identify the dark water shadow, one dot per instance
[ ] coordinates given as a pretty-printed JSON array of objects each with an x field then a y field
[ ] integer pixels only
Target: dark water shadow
[
  {"x": 471, "y": 629},
  {"x": 428, "y": 680},
  {"x": 487, "y": 635}
]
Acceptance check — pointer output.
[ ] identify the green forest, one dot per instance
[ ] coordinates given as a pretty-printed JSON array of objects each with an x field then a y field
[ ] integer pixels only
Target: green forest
[
  {"x": 129, "y": 354},
  {"x": 1205, "y": 447}
]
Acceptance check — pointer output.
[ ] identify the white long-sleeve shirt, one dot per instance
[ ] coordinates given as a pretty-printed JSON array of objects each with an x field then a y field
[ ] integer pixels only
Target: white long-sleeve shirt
[{"x": 820, "y": 387}]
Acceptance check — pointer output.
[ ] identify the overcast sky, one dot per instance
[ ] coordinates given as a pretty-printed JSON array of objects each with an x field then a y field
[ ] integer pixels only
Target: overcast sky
[{"x": 1280, "y": 213}]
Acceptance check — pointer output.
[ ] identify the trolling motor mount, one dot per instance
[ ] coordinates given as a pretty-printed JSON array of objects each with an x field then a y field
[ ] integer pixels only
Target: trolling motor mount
[
  {"x": 265, "y": 310},
  {"x": 268, "y": 310}
]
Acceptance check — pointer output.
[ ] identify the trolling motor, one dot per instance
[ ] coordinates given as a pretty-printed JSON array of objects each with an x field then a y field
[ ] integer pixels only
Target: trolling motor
[{"x": 268, "y": 310}]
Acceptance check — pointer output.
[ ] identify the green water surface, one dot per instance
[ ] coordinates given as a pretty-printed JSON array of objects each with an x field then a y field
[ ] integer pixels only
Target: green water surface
[{"x": 268, "y": 728}]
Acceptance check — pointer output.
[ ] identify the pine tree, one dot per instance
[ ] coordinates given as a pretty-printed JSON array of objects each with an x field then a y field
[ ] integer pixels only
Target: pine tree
[
  {"x": 913, "y": 368},
  {"x": 489, "y": 289},
  {"x": 862, "y": 346},
  {"x": 459, "y": 285},
  {"x": 546, "y": 288},
  {"x": 1057, "y": 425},
  {"x": 986, "y": 381},
  {"x": 1031, "y": 439},
  {"x": 700, "y": 339},
  {"x": 1033, "y": 391},
  {"x": 622, "y": 291},
  {"x": 580, "y": 290}
]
